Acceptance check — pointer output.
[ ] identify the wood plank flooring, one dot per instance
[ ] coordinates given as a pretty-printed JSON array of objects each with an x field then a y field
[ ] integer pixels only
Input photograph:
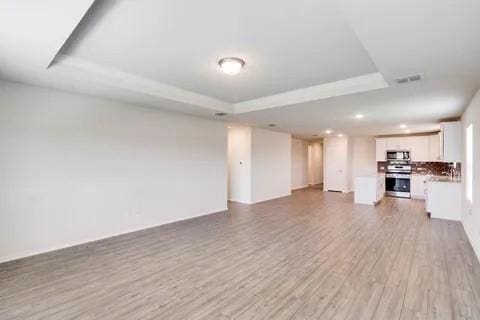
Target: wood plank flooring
[{"x": 313, "y": 255}]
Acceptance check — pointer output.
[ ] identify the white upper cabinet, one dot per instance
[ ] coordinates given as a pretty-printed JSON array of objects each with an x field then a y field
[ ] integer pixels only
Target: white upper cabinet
[
  {"x": 419, "y": 148},
  {"x": 381, "y": 149},
  {"x": 452, "y": 141},
  {"x": 434, "y": 147},
  {"x": 396, "y": 144},
  {"x": 422, "y": 148}
]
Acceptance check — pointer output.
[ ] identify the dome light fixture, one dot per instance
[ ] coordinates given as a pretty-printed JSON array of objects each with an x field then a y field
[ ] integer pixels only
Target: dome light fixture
[{"x": 231, "y": 66}]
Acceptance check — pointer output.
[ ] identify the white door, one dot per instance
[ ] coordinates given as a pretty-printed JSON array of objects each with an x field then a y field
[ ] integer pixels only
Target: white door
[{"x": 336, "y": 164}]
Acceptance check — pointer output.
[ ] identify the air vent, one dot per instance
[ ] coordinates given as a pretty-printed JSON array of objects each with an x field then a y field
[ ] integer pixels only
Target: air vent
[
  {"x": 401, "y": 80},
  {"x": 412, "y": 78},
  {"x": 415, "y": 77}
]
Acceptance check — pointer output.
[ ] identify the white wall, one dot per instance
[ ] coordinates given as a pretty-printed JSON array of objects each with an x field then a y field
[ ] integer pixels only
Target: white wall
[
  {"x": 299, "y": 164},
  {"x": 75, "y": 169},
  {"x": 239, "y": 164},
  {"x": 315, "y": 163},
  {"x": 363, "y": 158},
  {"x": 271, "y": 165},
  {"x": 357, "y": 157},
  {"x": 471, "y": 213}
]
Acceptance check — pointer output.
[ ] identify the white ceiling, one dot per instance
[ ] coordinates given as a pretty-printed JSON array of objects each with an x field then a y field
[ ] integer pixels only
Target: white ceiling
[
  {"x": 311, "y": 64},
  {"x": 179, "y": 42},
  {"x": 421, "y": 106}
]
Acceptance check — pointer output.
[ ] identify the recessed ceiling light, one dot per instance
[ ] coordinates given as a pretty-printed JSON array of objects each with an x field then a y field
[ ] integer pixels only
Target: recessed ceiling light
[
  {"x": 231, "y": 66},
  {"x": 407, "y": 131},
  {"x": 328, "y": 131},
  {"x": 221, "y": 114},
  {"x": 272, "y": 125},
  {"x": 339, "y": 135},
  {"x": 359, "y": 116},
  {"x": 403, "y": 126}
]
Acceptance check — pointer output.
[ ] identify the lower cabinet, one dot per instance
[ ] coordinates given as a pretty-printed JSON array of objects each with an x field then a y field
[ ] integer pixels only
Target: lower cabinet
[
  {"x": 380, "y": 187},
  {"x": 369, "y": 190},
  {"x": 444, "y": 200},
  {"x": 418, "y": 186}
]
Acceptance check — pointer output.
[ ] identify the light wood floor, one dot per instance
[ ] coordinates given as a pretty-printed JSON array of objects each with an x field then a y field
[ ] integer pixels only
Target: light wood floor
[{"x": 313, "y": 255}]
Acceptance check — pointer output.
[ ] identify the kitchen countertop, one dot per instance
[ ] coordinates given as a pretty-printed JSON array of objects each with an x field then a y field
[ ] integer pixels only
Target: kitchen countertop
[
  {"x": 443, "y": 179},
  {"x": 430, "y": 178},
  {"x": 436, "y": 178}
]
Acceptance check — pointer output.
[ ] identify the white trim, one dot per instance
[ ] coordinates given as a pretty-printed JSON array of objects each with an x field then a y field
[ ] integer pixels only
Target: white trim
[
  {"x": 127, "y": 81},
  {"x": 29, "y": 253},
  {"x": 301, "y": 187},
  {"x": 471, "y": 239},
  {"x": 240, "y": 201},
  {"x": 272, "y": 198},
  {"x": 363, "y": 83},
  {"x": 136, "y": 84}
]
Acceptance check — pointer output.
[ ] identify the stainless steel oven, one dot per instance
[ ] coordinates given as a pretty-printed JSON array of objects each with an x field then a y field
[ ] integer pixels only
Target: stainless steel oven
[
  {"x": 397, "y": 179},
  {"x": 398, "y": 155},
  {"x": 397, "y": 185}
]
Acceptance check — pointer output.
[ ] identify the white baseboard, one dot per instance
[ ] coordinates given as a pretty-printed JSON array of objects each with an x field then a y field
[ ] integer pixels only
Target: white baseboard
[
  {"x": 471, "y": 240},
  {"x": 271, "y": 198},
  {"x": 30, "y": 253},
  {"x": 301, "y": 187},
  {"x": 417, "y": 197},
  {"x": 239, "y": 201}
]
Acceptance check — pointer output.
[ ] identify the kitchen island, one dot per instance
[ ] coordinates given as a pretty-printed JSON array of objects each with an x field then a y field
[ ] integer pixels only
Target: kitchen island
[
  {"x": 369, "y": 189},
  {"x": 444, "y": 198}
]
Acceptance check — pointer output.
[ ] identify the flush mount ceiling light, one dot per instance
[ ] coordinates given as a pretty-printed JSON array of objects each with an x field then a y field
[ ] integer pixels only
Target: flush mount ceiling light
[
  {"x": 231, "y": 66},
  {"x": 328, "y": 131},
  {"x": 340, "y": 135},
  {"x": 403, "y": 126},
  {"x": 359, "y": 116}
]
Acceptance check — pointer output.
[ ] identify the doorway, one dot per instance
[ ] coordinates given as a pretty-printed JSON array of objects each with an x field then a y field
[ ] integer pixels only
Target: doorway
[{"x": 315, "y": 165}]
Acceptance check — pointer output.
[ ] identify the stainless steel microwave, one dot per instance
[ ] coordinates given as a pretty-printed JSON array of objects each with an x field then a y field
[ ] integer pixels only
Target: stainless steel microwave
[{"x": 398, "y": 155}]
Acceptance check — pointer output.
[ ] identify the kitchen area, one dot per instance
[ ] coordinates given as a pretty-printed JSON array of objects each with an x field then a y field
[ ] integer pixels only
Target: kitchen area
[{"x": 424, "y": 166}]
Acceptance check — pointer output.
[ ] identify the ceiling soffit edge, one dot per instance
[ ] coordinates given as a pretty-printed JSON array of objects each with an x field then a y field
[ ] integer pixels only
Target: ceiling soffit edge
[{"x": 133, "y": 83}]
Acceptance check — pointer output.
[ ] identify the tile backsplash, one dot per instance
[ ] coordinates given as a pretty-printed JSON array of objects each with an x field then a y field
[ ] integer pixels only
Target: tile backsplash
[{"x": 433, "y": 168}]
